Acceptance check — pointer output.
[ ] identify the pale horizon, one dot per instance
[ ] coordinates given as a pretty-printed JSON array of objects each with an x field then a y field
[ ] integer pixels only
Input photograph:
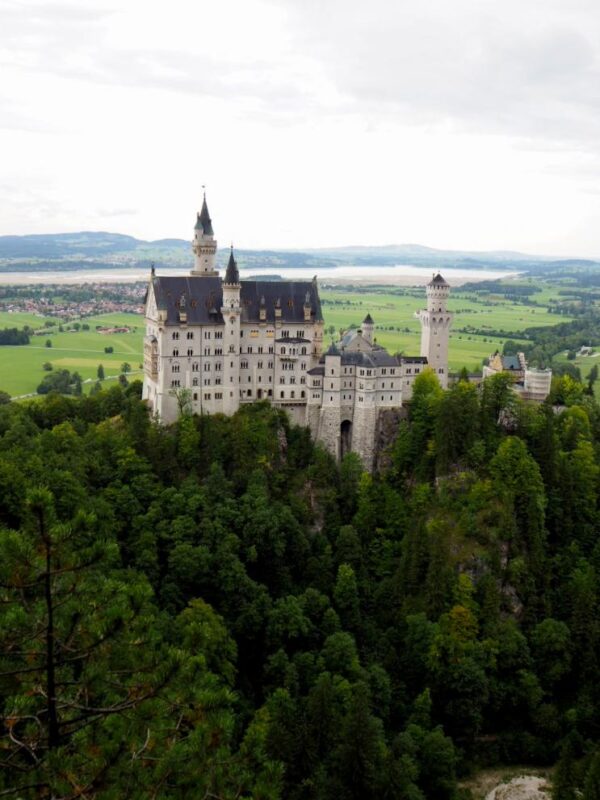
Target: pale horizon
[{"x": 468, "y": 126}]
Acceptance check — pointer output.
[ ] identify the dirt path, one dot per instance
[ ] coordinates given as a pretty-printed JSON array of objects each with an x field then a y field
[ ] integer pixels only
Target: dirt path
[{"x": 525, "y": 787}]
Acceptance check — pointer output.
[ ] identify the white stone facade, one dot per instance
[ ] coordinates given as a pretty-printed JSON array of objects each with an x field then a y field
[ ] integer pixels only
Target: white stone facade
[{"x": 435, "y": 328}]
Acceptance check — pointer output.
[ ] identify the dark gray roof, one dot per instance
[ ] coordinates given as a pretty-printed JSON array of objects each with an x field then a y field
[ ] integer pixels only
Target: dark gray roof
[
  {"x": 317, "y": 371},
  {"x": 349, "y": 336},
  {"x": 204, "y": 299},
  {"x": 332, "y": 350},
  {"x": 293, "y": 340},
  {"x": 413, "y": 359},
  {"x": 232, "y": 274},
  {"x": 203, "y": 220},
  {"x": 511, "y": 362},
  {"x": 290, "y": 294},
  {"x": 437, "y": 280},
  {"x": 358, "y": 359},
  {"x": 381, "y": 358},
  {"x": 368, "y": 320}
]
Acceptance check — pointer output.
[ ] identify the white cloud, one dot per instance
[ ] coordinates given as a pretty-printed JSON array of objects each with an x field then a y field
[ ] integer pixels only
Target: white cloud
[{"x": 463, "y": 124}]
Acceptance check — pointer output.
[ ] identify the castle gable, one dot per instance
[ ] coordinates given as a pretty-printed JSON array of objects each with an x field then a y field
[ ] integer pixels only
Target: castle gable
[
  {"x": 202, "y": 299},
  {"x": 291, "y": 296}
]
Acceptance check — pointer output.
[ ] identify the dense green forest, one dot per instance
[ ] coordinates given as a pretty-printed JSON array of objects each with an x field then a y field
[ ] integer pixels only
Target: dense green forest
[{"x": 216, "y": 609}]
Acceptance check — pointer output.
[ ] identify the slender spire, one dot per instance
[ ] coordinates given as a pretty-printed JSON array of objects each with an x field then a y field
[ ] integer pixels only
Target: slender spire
[
  {"x": 232, "y": 274},
  {"x": 203, "y": 220}
]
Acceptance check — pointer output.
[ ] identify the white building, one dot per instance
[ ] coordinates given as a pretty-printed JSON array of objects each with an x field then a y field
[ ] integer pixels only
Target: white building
[
  {"x": 528, "y": 382},
  {"x": 229, "y": 342}
]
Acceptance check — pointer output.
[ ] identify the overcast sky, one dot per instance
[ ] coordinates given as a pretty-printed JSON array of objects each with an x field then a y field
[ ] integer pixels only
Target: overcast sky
[{"x": 471, "y": 124}]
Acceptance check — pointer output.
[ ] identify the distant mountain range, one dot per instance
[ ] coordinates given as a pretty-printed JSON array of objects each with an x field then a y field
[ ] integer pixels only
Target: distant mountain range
[{"x": 91, "y": 249}]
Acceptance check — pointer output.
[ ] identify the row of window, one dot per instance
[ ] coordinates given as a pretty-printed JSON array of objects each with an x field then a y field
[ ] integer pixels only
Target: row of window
[
  {"x": 190, "y": 352},
  {"x": 292, "y": 351},
  {"x": 259, "y": 349},
  {"x": 190, "y": 334},
  {"x": 253, "y": 333},
  {"x": 175, "y": 384},
  {"x": 286, "y": 334},
  {"x": 245, "y": 364}
]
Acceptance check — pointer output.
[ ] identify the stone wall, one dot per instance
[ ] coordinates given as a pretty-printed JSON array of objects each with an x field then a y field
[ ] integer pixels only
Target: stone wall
[
  {"x": 330, "y": 429},
  {"x": 363, "y": 435}
]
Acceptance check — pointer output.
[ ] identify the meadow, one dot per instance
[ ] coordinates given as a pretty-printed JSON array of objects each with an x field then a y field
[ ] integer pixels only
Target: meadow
[
  {"x": 21, "y": 368},
  {"x": 399, "y": 331}
]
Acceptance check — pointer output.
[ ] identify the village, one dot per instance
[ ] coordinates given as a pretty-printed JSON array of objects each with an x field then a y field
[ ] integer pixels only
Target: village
[{"x": 70, "y": 302}]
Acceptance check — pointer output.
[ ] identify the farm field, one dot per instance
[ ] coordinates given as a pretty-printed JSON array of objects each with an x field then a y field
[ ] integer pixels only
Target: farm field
[
  {"x": 19, "y": 320},
  {"x": 344, "y": 308},
  {"x": 21, "y": 367},
  {"x": 396, "y": 329}
]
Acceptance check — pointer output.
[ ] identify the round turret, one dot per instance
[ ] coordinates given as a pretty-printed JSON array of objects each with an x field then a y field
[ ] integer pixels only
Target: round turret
[
  {"x": 368, "y": 328},
  {"x": 438, "y": 291}
]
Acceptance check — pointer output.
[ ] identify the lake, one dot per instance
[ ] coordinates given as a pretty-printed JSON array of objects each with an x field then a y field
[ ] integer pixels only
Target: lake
[{"x": 401, "y": 274}]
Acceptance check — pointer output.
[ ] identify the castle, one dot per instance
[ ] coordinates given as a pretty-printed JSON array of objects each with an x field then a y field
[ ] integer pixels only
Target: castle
[{"x": 229, "y": 342}]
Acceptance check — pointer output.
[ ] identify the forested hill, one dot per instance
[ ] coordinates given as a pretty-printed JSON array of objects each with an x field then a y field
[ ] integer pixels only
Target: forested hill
[
  {"x": 217, "y": 610},
  {"x": 97, "y": 249}
]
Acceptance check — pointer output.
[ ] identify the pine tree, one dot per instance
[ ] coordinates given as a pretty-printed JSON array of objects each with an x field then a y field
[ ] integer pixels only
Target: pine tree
[{"x": 591, "y": 789}]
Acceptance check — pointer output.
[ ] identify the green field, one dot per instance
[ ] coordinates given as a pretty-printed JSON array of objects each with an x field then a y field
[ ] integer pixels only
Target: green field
[
  {"x": 343, "y": 308},
  {"x": 21, "y": 367},
  {"x": 396, "y": 329},
  {"x": 19, "y": 320}
]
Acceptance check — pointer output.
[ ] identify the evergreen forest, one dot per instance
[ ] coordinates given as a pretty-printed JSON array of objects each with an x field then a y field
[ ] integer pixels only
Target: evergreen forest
[{"x": 216, "y": 609}]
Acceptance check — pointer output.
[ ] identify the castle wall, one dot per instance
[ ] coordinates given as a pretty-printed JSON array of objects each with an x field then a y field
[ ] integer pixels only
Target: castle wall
[
  {"x": 363, "y": 434},
  {"x": 329, "y": 430}
]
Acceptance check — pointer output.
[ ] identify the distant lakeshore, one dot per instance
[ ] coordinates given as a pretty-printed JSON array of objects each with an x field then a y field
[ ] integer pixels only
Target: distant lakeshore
[{"x": 399, "y": 275}]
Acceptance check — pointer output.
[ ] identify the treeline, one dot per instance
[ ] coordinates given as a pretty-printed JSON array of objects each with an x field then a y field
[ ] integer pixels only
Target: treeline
[
  {"x": 513, "y": 291},
  {"x": 14, "y": 336},
  {"x": 546, "y": 342},
  {"x": 216, "y": 608}
]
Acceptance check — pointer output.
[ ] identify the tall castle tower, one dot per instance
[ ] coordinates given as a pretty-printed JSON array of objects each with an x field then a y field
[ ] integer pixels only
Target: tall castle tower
[
  {"x": 204, "y": 244},
  {"x": 435, "y": 328},
  {"x": 232, "y": 316}
]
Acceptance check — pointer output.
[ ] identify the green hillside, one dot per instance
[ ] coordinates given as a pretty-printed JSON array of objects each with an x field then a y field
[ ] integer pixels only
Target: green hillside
[{"x": 218, "y": 609}]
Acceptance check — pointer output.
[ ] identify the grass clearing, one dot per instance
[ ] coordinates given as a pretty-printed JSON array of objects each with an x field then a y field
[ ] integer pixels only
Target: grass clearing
[
  {"x": 21, "y": 368},
  {"x": 19, "y": 319}
]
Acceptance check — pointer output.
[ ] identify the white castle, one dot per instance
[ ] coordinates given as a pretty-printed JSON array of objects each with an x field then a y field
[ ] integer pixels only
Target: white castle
[{"x": 229, "y": 342}]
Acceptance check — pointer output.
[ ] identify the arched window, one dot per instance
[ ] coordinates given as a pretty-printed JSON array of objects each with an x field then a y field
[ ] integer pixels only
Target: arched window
[
  {"x": 281, "y": 395},
  {"x": 283, "y": 351}
]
